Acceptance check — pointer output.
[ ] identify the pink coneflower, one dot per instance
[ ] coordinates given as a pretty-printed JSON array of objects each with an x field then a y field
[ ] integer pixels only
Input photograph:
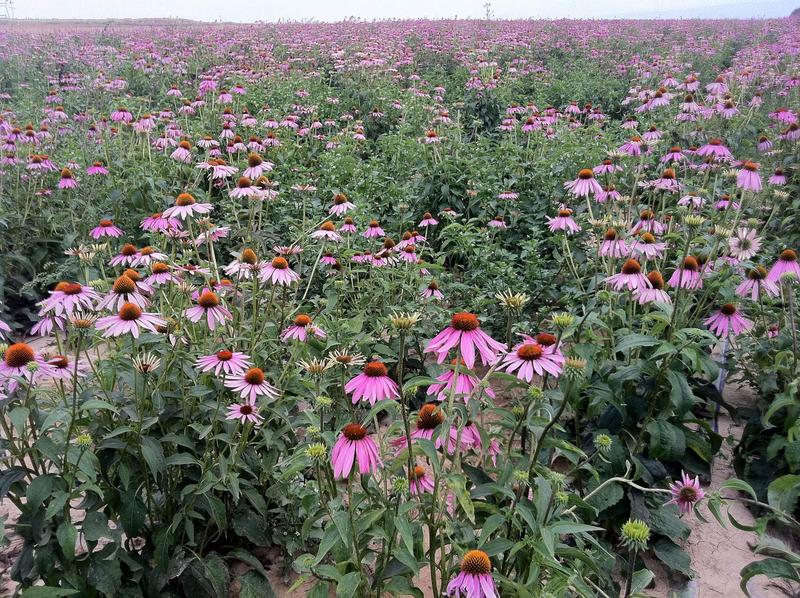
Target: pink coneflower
[
  {"x": 159, "y": 223},
  {"x": 47, "y": 324},
  {"x": 674, "y": 155},
  {"x": 64, "y": 369},
  {"x": 105, "y": 228},
  {"x": 278, "y": 272},
  {"x": 432, "y": 291},
  {"x": 630, "y": 277},
  {"x": 778, "y": 178},
  {"x": 67, "y": 180},
  {"x": 428, "y": 220},
  {"x": 755, "y": 283},
  {"x": 465, "y": 335},
  {"x": 497, "y": 222},
  {"x": 529, "y": 357},
  {"x": 429, "y": 418},
  {"x": 716, "y": 150},
  {"x": 465, "y": 384},
  {"x": 764, "y": 144},
  {"x": 244, "y": 412},
  {"x": 686, "y": 493},
  {"x": 475, "y": 578},
  {"x": 464, "y": 439},
  {"x": 341, "y": 205},
  {"x": 15, "y": 365},
  {"x": 612, "y": 246},
  {"x": 690, "y": 199},
  {"x": 727, "y": 320},
  {"x": 787, "y": 262},
  {"x": 186, "y": 206},
  {"x": 244, "y": 188},
  {"x": 348, "y": 227},
  {"x": 130, "y": 320},
  {"x": 68, "y": 297},
  {"x": 744, "y": 244},
  {"x": 251, "y": 384},
  {"x": 354, "y": 445},
  {"x": 563, "y": 222},
  {"x": 328, "y": 259},
  {"x": 607, "y": 166},
  {"x": 373, "y": 384},
  {"x": 229, "y": 363},
  {"x": 245, "y": 265},
  {"x": 256, "y": 166},
  {"x": 646, "y": 245},
  {"x": 419, "y": 482},
  {"x": 146, "y": 256},
  {"x": 687, "y": 276},
  {"x": 96, "y": 169},
  {"x": 409, "y": 255},
  {"x": 124, "y": 290},
  {"x": 301, "y": 328},
  {"x": 208, "y": 307},
  {"x": 373, "y": 230},
  {"x": 748, "y": 177},
  {"x": 632, "y": 147},
  {"x": 648, "y": 223},
  {"x": 327, "y": 232},
  {"x": 656, "y": 292},
  {"x": 182, "y": 153},
  {"x": 584, "y": 185},
  {"x": 510, "y": 195}
]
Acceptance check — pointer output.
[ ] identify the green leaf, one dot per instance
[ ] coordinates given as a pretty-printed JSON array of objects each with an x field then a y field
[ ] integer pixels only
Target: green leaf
[
  {"x": 329, "y": 540},
  {"x": 407, "y": 558},
  {"x": 667, "y": 442},
  {"x": 255, "y": 586},
  {"x": 772, "y": 568},
  {"x": 153, "y": 454},
  {"x": 782, "y": 493},
  {"x": 641, "y": 579},
  {"x": 348, "y": 585},
  {"x": 95, "y": 526},
  {"x": 740, "y": 485},
  {"x": 630, "y": 341},
  {"x": 458, "y": 483},
  {"x": 105, "y": 576},
  {"x": 489, "y": 526},
  {"x": 67, "y": 535},
  {"x": 570, "y": 527},
  {"x": 607, "y": 497},
  {"x": 47, "y": 592},
  {"x": 673, "y": 556},
  {"x": 406, "y": 533}
]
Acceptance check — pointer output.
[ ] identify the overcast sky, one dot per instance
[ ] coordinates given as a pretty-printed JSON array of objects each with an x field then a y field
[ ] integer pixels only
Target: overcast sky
[{"x": 335, "y": 10}]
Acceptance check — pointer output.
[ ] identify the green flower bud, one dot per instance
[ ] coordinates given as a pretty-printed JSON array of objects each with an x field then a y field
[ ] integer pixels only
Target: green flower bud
[
  {"x": 603, "y": 443},
  {"x": 635, "y": 534},
  {"x": 84, "y": 440},
  {"x": 317, "y": 452}
]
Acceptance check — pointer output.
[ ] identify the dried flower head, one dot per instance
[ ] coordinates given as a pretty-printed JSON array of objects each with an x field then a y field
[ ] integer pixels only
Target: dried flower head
[{"x": 512, "y": 301}]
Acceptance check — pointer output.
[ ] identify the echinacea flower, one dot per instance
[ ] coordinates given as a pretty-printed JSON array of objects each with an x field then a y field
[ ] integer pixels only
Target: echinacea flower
[
  {"x": 67, "y": 180},
  {"x": 427, "y": 220},
  {"x": 208, "y": 307},
  {"x": 611, "y": 246},
  {"x": 229, "y": 363},
  {"x": 301, "y": 328},
  {"x": 464, "y": 333},
  {"x": 686, "y": 493},
  {"x": 373, "y": 384},
  {"x": 656, "y": 292},
  {"x": 278, "y": 272},
  {"x": 327, "y": 232},
  {"x": 341, "y": 205},
  {"x": 65, "y": 370},
  {"x": 432, "y": 291},
  {"x": 465, "y": 384},
  {"x": 130, "y": 320},
  {"x": 68, "y": 297},
  {"x": 584, "y": 185},
  {"x": 354, "y": 445},
  {"x": 105, "y": 228},
  {"x": 630, "y": 277},
  {"x": 186, "y": 206},
  {"x": 244, "y": 412},
  {"x": 647, "y": 246},
  {"x": 744, "y": 244},
  {"x": 419, "y": 482},
  {"x": 475, "y": 578},
  {"x": 16, "y": 363},
  {"x": 755, "y": 282},
  {"x": 748, "y": 177},
  {"x": 529, "y": 357},
  {"x": 787, "y": 262},
  {"x": 373, "y": 230},
  {"x": 124, "y": 290},
  {"x": 159, "y": 223},
  {"x": 251, "y": 384},
  {"x": 563, "y": 221},
  {"x": 687, "y": 276},
  {"x": 728, "y": 320}
]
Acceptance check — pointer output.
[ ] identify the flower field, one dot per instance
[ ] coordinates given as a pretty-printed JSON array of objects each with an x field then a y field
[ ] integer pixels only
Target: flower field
[{"x": 402, "y": 308}]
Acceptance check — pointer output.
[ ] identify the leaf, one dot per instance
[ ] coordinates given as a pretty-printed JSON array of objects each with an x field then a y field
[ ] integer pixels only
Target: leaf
[
  {"x": 248, "y": 524},
  {"x": 740, "y": 485},
  {"x": 407, "y": 558},
  {"x": 607, "y": 497},
  {"x": 641, "y": 579},
  {"x": 348, "y": 585},
  {"x": 680, "y": 394},
  {"x": 772, "y": 568},
  {"x": 105, "y": 575},
  {"x": 47, "y": 592},
  {"x": 8, "y": 477},
  {"x": 782, "y": 493},
  {"x": 458, "y": 484},
  {"x": 570, "y": 527},
  {"x": 667, "y": 441},
  {"x": 406, "y": 533},
  {"x": 629, "y": 341},
  {"x": 255, "y": 586},
  {"x": 95, "y": 526},
  {"x": 67, "y": 535},
  {"x": 329, "y": 540},
  {"x": 673, "y": 556},
  {"x": 153, "y": 454},
  {"x": 38, "y": 490}
]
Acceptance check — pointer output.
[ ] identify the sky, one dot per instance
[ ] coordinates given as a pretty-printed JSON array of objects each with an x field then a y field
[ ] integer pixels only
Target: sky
[{"x": 336, "y": 10}]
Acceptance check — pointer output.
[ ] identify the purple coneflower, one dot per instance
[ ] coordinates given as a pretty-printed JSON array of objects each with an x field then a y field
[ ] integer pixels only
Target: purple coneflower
[
  {"x": 301, "y": 328},
  {"x": 428, "y": 220},
  {"x": 563, "y": 221},
  {"x": 647, "y": 246},
  {"x": 756, "y": 282},
  {"x": 244, "y": 412},
  {"x": 630, "y": 277},
  {"x": 475, "y": 578},
  {"x": 67, "y": 180},
  {"x": 251, "y": 384},
  {"x": 373, "y": 384},
  {"x": 15, "y": 365},
  {"x": 373, "y": 230},
  {"x": 748, "y": 177},
  {"x": 584, "y": 185},
  {"x": 687, "y": 276},
  {"x": 159, "y": 223},
  {"x": 728, "y": 320},
  {"x": 744, "y": 244},
  {"x": 432, "y": 291},
  {"x": 465, "y": 384},
  {"x": 656, "y": 292},
  {"x": 354, "y": 445},
  {"x": 348, "y": 226},
  {"x": 130, "y": 320},
  {"x": 68, "y": 297},
  {"x": 686, "y": 493},
  {"x": 327, "y": 232},
  {"x": 611, "y": 246},
  {"x": 716, "y": 150},
  {"x": 186, "y": 206},
  {"x": 97, "y": 169},
  {"x": 778, "y": 178},
  {"x": 229, "y": 363},
  {"x": 419, "y": 482},
  {"x": 278, "y": 272},
  {"x": 787, "y": 262},
  {"x": 105, "y": 228},
  {"x": 529, "y": 358},
  {"x": 341, "y": 205},
  {"x": 208, "y": 307},
  {"x": 464, "y": 333}
]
